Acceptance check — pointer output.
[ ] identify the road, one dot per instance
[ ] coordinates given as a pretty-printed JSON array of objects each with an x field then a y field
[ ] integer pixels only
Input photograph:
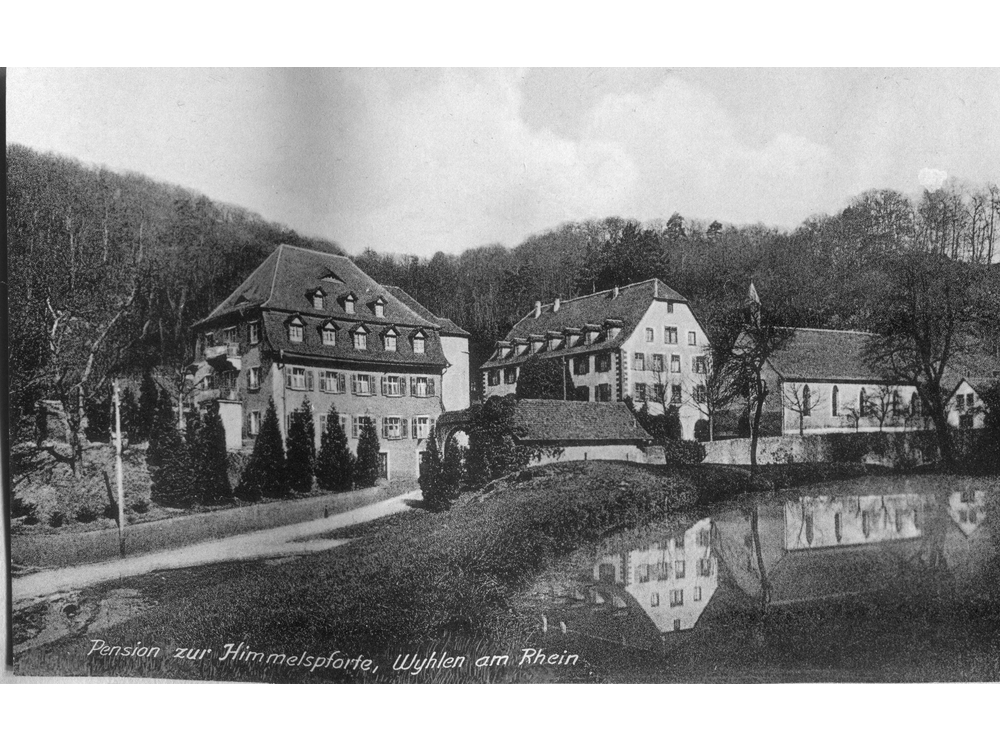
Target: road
[{"x": 277, "y": 542}]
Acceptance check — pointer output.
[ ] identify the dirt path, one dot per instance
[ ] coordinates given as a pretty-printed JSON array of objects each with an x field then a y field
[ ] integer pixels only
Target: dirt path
[{"x": 277, "y": 542}]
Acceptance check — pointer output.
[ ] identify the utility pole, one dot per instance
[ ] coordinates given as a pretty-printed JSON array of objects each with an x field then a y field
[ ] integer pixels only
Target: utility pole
[{"x": 118, "y": 471}]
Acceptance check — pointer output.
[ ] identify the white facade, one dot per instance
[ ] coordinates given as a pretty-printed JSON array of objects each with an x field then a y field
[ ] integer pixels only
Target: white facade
[
  {"x": 673, "y": 364},
  {"x": 672, "y": 581},
  {"x": 455, "y": 383}
]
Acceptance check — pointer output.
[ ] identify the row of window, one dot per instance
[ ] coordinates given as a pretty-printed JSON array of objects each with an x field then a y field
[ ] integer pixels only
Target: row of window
[
  {"x": 359, "y": 337},
  {"x": 663, "y": 571},
  {"x": 676, "y": 600},
  {"x": 348, "y": 302},
  {"x": 392, "y": 427},
  {"x": 656, "y": 363},
  {"x": 362, "y": 384},
  {"x": 670, "y": 336}
]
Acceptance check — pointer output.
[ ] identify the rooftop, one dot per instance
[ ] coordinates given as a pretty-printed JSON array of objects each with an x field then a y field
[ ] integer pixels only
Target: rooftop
[
  {"x": 627, "y": 307},
  {"x": 542, "y": 420}
]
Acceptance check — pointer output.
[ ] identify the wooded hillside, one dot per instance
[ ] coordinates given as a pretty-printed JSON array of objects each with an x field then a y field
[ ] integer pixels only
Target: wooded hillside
[{"x": 108, "y": 270}]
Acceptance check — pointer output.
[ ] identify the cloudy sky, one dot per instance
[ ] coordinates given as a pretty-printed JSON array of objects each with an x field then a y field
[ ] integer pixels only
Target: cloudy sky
[{"x": 420, "y": 161}]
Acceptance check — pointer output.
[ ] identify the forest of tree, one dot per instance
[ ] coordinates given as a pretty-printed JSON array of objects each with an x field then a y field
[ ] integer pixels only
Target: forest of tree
[{"x": 108, "y": 270}]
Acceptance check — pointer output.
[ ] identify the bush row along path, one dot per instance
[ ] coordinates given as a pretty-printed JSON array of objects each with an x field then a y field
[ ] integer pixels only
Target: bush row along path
[{"x": 278, "y": 542}]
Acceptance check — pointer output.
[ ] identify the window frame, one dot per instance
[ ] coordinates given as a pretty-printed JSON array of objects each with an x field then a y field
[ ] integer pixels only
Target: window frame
[
  {"x": 670, "y": 335},
  {"x": 692, "y": 338}
]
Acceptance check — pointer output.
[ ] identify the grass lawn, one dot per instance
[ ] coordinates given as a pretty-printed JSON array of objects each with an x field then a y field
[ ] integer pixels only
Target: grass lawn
[{"x": 418, "y": 582}]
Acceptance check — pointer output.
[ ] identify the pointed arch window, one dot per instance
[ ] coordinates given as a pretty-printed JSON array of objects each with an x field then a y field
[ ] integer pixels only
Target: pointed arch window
[
  {"x": 806, "y": 394},
  {"x": 863, "y": 403},
  {"x": 835, "y": 402}
]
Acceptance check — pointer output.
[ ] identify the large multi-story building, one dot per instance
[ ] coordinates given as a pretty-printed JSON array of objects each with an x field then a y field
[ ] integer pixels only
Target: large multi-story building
[
  {"x": 310, "y": 325},
  {"x": 641, "y": 340}
]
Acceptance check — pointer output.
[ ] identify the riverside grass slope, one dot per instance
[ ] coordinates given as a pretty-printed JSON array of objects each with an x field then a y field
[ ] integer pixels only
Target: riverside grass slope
[{"x": 422, "y": 581}]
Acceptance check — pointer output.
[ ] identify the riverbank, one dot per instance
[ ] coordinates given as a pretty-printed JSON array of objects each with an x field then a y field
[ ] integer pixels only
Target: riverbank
[{"x": 421, "y": 579}]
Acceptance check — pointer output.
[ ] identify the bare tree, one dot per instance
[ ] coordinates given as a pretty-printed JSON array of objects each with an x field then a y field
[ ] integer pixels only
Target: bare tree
[
  {"x": 754, "y": 341},
  {"x": 800, "y": 401}
]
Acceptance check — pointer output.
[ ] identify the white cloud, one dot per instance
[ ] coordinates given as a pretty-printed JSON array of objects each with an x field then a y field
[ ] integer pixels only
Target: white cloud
[{"x": 932, "y": 179}]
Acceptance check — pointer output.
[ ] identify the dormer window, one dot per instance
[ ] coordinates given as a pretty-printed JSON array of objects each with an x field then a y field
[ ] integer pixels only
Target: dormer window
[
  {"x": 295, "y": 329},
  {"x": 317, "y": 299},
  {"x": 361, "y": 339},
  {"x": 329, "y": 334},
  {"x": 379, "y": 307},
  {"x": 614, "y": 327},
  {"x": 349, "y": 302},
  {"x": 418, "y": 342},
  {"x": 389, "y": 339}
]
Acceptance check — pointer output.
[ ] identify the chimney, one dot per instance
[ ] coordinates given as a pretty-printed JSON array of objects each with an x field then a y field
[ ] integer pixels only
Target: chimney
[
  {"x": 555, "y": 305},
  {"x": 538, "y": 308},
  {"x": 614, "y": 293}
]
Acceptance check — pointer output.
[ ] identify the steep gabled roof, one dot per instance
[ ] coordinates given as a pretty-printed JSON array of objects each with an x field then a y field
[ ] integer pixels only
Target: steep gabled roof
[
  {"x": 542, "y": 420},
  {"x": 628, "y": 307},
  {"x": 826, "y": 355},
  {"x": 821, "y": 355},
  {"x": 448, "y": 327},
  {"x": 312, "y": 346},
  {"x": 283, "y": 282}
]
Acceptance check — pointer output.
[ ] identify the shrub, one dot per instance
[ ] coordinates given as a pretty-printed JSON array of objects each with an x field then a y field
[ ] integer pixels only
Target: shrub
[
  {"x": 544, "y": 378},
  {"x": 701, "y": 430},
  {"x": 148, "y": 396},
  {"x": 301, "y": 454},
  {"x": 86, "y": 514},
  {"x": 139, "y": 506},
  {"x": 129, "y": 414},
  {"x": 99, "y": 418},
  {"x": 266, "y": 472},
  {"x": 492, "y": 451},
  {"x": 683, "y": 452},
  {"x": 56, "y": 519},
  {"x": 334, "y": 463},
  {"x": 366, "y": 468}
]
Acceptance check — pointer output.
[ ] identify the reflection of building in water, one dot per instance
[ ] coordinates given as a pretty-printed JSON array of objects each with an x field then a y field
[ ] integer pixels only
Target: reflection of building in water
[
  {"x": 823, "y": 547},
  {"x": 967, "y": 509},
  {"x": 824, "y": 521},
  {"x": 672, "y": 580}
]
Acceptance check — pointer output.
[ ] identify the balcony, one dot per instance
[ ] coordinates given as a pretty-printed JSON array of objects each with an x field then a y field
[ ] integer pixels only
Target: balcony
[
  {"x": 212, "y": 394},
  {"x": 223, "y": 356}
]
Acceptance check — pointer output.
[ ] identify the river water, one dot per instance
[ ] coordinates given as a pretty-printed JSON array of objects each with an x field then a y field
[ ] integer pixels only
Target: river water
[{"x": 882, "y": 579}]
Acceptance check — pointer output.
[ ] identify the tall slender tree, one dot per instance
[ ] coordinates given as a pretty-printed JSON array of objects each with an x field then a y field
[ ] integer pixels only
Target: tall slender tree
[
  {"x": 266, "y": 473},
  {"x": 366, "y": 472},
  {"x": 211, "y": 459},
  {"x": 301, "y": 448},
  {"x": 334, "y": 464}
]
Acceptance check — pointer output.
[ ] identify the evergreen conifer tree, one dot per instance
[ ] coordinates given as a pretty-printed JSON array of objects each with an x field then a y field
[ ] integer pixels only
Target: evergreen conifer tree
[
  {"x": 266, "y": 472},
  {"x": 210, "y": 460},
  {"x": 301, "y": 461},
  {"x": 366, "y": 467},
  {"x": 171, "y": 472},
  {"x": 432, "y": 475},
  {"x": 334, "y": 464},
  {"x": 452, "y": 471},
  {"x": 148, "y": 397}
]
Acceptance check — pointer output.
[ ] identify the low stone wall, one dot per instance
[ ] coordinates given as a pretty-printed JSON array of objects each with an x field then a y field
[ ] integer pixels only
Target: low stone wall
[
  {"x": 886, "y": 449},
  {"x": 54, "y": 550}
]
